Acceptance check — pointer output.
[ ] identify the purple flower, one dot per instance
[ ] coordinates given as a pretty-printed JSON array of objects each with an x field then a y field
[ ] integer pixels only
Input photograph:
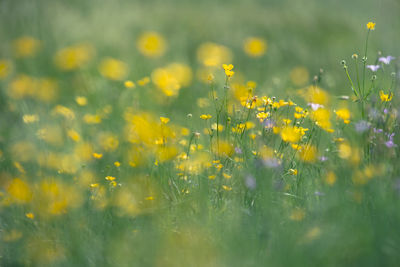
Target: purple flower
[
  {"x": 269, "y": 123},
  {"x": 374, "y": 68},
  {"x": 323, "y": 158},
  {"x": 377, "y": 130},
  {"x": 250, "y": 182},
  {"x": 362, "y": 126},
  {"x": 238, "y": 150},
  {"x": 390, "y": 143},
  {"x": 386, "y": 60},
  {"x": 271, "y": 162}
]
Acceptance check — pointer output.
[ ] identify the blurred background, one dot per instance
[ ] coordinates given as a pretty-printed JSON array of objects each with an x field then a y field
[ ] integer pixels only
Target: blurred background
[
  {"x": 309, "y": 33},
  {"x": 293, "y": 41}
]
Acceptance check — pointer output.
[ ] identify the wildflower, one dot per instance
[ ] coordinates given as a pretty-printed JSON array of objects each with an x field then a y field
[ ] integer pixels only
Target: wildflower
[
  {"x": 293, "y": 172},
  {"x": 143, "y": 81},
  {"x": 227, "y": 176},
  {"x": 371, "y": 25},
  {"x": 330, "y": 178},
  {"x": 212, "y": 177},
  {"x": 129, "y": 84},
  {"x": 74, "y": 135},
  {"x": 172, "y": 78},
  {"x": 5, "y": 68},
  {"x": 30, "y": 118},
  {"x": 26, "y": 46},
  {"x": 91, "y": 119},
  {"x": 343, "y": 114},
  {"x": 151, "y": 44},
  {"x": 216, "y": 127},
  {"x": 73, "y": 57},
  {"x": 213, "y": 55},
  {"x": 164, "y": 120},
  {"x": 113, "y": 69},
  {"x": 255, "y": 47},
  {"x": 362, "y": 126},
  {"x": 345, "y": 150},
  {"x": 227, "y": 188},
  {"x": 390, "y": 143},
  {"x": 321, "y": 117},
  {"x": 19, "y": 191},
  {"x": 315, "y": 106},
  {"x": 81, "y": 100},
  {"x": 110, "y": 178},
  {"x": 117, "y": 164},
  {"x": 262, "y": 116},
  {"x": 250, "y": 182},
  {"x": 30, "y": 215},
  {"x": 205, "y": 116},
  {"x": 373, "y": 68},
  {"x": 228, "y": 70},
  {"x": 290, "y": 134},
  {"x": 385, "y": 97},
  {"x": 297, "y": 214},
  {"x": 97, "y": 155},
  {"x": 308, "y": 154},
  {"x": 386, "y": 60}
]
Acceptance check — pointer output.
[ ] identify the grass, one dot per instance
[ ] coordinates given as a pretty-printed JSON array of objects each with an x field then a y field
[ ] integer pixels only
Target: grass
[{"x": 274, "y": 160}]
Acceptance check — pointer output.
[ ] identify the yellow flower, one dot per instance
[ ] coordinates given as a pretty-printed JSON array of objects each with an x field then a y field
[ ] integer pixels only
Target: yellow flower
[
  {"x": 129, "y": 84},
  {"x": 19, "y": 191},
  {"x": 371, "y": 25},
  {"x": 143, "y": 81},
  {"x": 330, "y": 178},
  {"x": 30, "y": 215},
  {"x": 117, "y": 164},
  {"x": 113, "y": 69},
  {"x": 110, "y": 178},
  {"x": 205, "y": 116},
  {"x": 97, "y": 155},
  {"x": 227, "y": 188},
  {"x": 227, "y": 176},
  {"x": 343, "y": 114},
  {"x": 228, "y": 70},
  {"x": 385, "y": 97},
  {"x": 74, "y": 135},
  {"x": 297, "y": 215},
  {"x": 73, "y": 57},
  {"x": 151, "y": 44},
  {"x": 213, "y": 55},
  {"x": 91, "y": 119},
  {"x": 172, "y": 78},
  {"x": 290, "y": 134},
  {"x": 5, "y": 68},
  {"x": 81, "y": 100},
  {"x": 255, "y": 47},
  {"x": 308, "y": 154},
  {"x": 30, "y": 118},
  {"x": 293, "y": 171},
  {"x": 164, "y": 120},
  {"x": 26, "y": 46},
  {"x": 321, "y": 117}
]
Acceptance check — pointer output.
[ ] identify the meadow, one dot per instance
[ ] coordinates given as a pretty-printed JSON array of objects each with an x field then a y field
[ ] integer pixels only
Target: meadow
[{"x": 199, "y": 133}]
